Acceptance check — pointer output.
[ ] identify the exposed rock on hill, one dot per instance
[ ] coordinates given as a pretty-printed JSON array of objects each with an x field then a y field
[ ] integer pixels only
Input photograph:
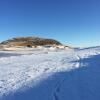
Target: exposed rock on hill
[{"x": 29, "y": 42}]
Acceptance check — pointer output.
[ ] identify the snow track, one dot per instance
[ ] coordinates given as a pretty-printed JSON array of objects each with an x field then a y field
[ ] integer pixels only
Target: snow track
[
  {"x": 57, "y": 89},
  {"x": 59, "y": 84}
]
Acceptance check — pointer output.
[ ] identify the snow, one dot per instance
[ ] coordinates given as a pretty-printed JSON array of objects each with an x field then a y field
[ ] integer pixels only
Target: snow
[{"x": 46, "y": 75}]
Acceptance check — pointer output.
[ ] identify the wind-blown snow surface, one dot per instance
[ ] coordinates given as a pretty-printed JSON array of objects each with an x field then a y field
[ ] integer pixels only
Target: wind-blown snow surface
[{"x": 62, "y": 75}]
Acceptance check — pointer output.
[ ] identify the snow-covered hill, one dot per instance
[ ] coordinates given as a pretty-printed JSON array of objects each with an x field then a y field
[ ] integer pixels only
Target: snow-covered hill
[{"x": 62, "y": 75}]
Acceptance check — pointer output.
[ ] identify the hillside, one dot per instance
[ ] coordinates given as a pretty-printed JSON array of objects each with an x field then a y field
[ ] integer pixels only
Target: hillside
[{"x": 30, "y": 41}]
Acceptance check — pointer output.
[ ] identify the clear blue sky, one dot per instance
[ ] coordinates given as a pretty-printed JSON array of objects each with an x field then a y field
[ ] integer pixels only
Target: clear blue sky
[{"x": 73, "y": 22}]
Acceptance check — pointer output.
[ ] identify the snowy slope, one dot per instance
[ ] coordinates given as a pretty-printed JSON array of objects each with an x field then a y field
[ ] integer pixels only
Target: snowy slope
[{"x": 48, "y": 72}]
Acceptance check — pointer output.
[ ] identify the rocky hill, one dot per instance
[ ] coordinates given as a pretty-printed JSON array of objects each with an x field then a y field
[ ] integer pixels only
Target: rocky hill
[{"x": 30, "y": 41}]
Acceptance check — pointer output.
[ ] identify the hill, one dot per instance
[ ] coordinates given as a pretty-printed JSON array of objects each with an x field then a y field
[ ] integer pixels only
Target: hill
[{"x": 30, "y": 41}]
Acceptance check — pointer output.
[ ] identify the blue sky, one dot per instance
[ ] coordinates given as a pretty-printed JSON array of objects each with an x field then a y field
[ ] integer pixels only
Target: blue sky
[{"x": 72, "y": 22}]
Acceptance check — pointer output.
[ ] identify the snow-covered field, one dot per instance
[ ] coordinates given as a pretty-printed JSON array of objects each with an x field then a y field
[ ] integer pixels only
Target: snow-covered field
[{"x": 57, "y": 75}]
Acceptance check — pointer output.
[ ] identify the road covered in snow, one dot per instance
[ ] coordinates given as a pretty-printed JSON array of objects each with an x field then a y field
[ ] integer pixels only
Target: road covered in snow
[{"x": 57, "y": 75}]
